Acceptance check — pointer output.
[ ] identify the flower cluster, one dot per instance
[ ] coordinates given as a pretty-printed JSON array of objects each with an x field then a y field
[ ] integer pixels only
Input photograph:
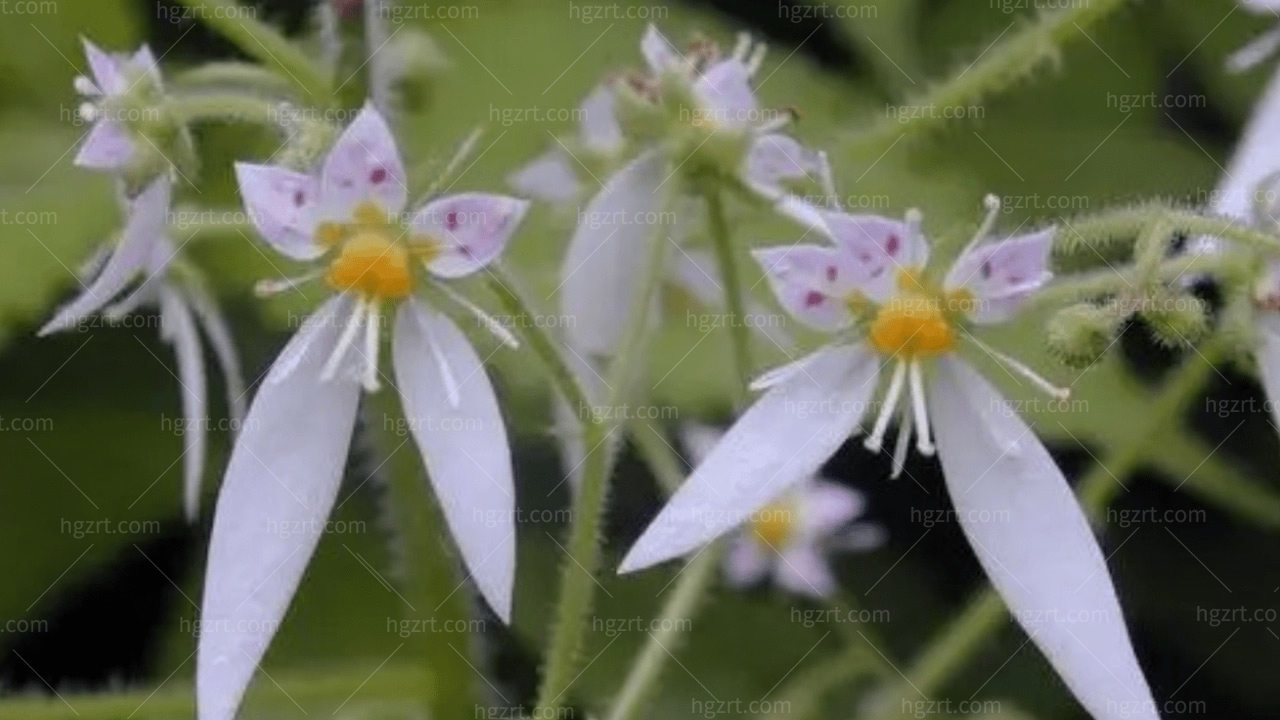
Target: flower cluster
[{"x": 901, "y": 319}]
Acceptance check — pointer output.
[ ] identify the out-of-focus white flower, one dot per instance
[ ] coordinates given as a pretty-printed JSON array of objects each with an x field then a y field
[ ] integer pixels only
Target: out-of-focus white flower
[
  {"x": 640, "y": 203},
  {"x": 788, "y": 539},
  {"x": 1265, "y": 45},
  {"x": 287, "y": 464},
  {"x": 145, "y": 252},
  {"x": 873, "y": 289},
  {"x": 111, "y": 144}
]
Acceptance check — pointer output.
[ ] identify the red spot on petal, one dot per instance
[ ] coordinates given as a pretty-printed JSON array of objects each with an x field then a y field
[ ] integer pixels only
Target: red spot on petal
[
  {"x": 892, "y": 245},
  {"x": 299, "y": 197},
  {"x": 831, "y": 273},
  {"x": 814, "y": 299},
  {"x": 451, "y": 220},
  {"x": 378, "y": 176}
]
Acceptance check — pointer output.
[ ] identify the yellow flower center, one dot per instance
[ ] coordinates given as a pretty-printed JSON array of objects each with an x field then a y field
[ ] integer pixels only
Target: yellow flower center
[
  {"x": 372, "y": 258},
  {"x": 774, "y": 525},
  {"x": 915, "y": 322}
]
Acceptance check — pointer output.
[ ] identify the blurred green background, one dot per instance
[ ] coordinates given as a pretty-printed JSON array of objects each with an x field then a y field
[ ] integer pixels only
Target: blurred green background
[{"x": 98, "y": 570}]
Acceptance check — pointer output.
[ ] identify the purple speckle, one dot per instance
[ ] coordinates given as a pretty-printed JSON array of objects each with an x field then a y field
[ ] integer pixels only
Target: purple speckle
[
  {"x": 451, "y": 220},
  {"x": 892, "y": 245},
  {"x": 986, "y": 270},
  {"x": 831, "y": 273},
  {"x": 814, "y": 299},
  {"x": 299, "y": 198},
  {"x": 378, "y": 176}
]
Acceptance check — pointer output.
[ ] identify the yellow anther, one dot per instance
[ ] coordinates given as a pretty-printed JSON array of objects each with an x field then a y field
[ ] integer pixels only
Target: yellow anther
[
  {"x": 372, "y": 263},
  {"x": 774, "y": 525},
  {"x": 912, "y": 325},
  {"x": 369, "y": 213}
]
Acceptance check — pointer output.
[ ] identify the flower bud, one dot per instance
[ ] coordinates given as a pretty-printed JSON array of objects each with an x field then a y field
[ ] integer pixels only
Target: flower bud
[
  {"x": 1078, "y": 335},
  {"x": 1175, "y": 321}
]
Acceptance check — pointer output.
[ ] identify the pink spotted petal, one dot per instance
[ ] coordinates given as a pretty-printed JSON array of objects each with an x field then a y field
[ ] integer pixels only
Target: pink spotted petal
[
  {"x": 472, "y": 227},
  {"x": 725, "y": 90},
  {"x": 811, "y": 282},
  {"x": 107, "y": 69},
  {"x": 364, "y": 165},
  {"x": 879, "y": 247},
  {"x": 1002, "y": 275},
  {"x": 281, "y": 204},
  {"x": 108, "y": 146}
]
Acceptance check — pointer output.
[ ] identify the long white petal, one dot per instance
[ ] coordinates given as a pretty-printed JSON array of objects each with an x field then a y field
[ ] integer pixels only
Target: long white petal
[
  {"x": 782, "y": 439},
  {"x": 1257, "y": 156},
  {"x": 145, "y": 228},
  {"x": 279, "y": 488},
  {"x": 224, "y": 349},
  {"x": 1033, "y": 540},
  {"x": 598, "y": 276},
  {"x": 179, "y": 328},
  {"x": 1268, "y": 356},
  {"x": 464, "y": 446}
]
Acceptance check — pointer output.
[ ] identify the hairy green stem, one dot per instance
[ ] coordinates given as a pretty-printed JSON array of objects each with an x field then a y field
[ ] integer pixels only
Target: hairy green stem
[
  {"x": 1093, "y": 233},
  {"x": 431, "y": 573},
  {"x": 1009, "y": 60},
  {"x": 985, "y": 614},
  {"x": 268, "y": 45},
  {"x": 225, "y": 106},
  {"x": 582, "y": 561},
  {"x": 676, "y": 615},
  {"x": 734, "y": 293},
  {"x": 229, "y": 74},
  {"x": 393, "y": 685}
]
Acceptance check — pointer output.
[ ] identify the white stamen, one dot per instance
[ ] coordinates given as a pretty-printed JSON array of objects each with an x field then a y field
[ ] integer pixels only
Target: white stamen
[
  {"x": 85, "y": 86},
  {"x": 1255, "y": 52},
  {"x": 267, "y": 287},
  {"x": 756, "y": 59},
  {"x": 117, "y": 311},
  {"x": 992, "y": 203},
  {"x": 490, "y": 323},
  {"x": 913, "y": 218},
  {"x": 345, "y": 340},
  {"x": 371, "y": 347},
  {"x": 824, "y": 175},
  {"x": 875, "y": 440},
  {"x": 902, "y": 443},
  {"x": 464, "y": 150},
  {"x": 88, "y": 111},
  {"x": 742, "y": 47},
  {"x": 924, "y": 443},
  {"x": 1036, "y": 379}
]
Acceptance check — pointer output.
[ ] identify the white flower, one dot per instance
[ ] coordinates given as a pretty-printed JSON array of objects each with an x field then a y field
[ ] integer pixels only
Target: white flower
[
  {"x": 618, "y": 224},
  {"x": 110, "y": 144},
  {"x": 788, "y": 539},
  {"x": 287, "y": 465},
  {"x": 1013, "y": 503},
  {"x": 145, "y": 252}
]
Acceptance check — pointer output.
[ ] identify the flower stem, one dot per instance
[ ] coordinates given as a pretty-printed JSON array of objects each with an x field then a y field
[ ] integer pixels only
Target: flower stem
[
  {"x": 540, "y": 341},
  {"x": 268, "y": 45},
  {"x": 583, "y": 553},
  {"x": 1000, "y": 66},
  {"x": 430, "y": 572},
  {"x": 676, "y": 615},
  {"x": 985, "y": 614},
  {"x": 225, "y": 106},
  {"x": 734, "y": 294},
  {"x": 1092, "y": 233}
]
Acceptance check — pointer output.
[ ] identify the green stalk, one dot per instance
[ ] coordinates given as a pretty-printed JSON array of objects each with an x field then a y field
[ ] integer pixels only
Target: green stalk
[
  {"x": 431, "y": 574},
  {"x": 1092, "y": 233},
  {"x": 577, "y": 580},
  {"x": 678, "y": 611},
  {"x": 268, "y": 45},
  {"x": 734, "y": 293},
  {"x": 1002, "y": 65},
  {"x": 985, "y": 614},
  {"x": 225, "y": 106},
  {"x": 389, "y": 690}
]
